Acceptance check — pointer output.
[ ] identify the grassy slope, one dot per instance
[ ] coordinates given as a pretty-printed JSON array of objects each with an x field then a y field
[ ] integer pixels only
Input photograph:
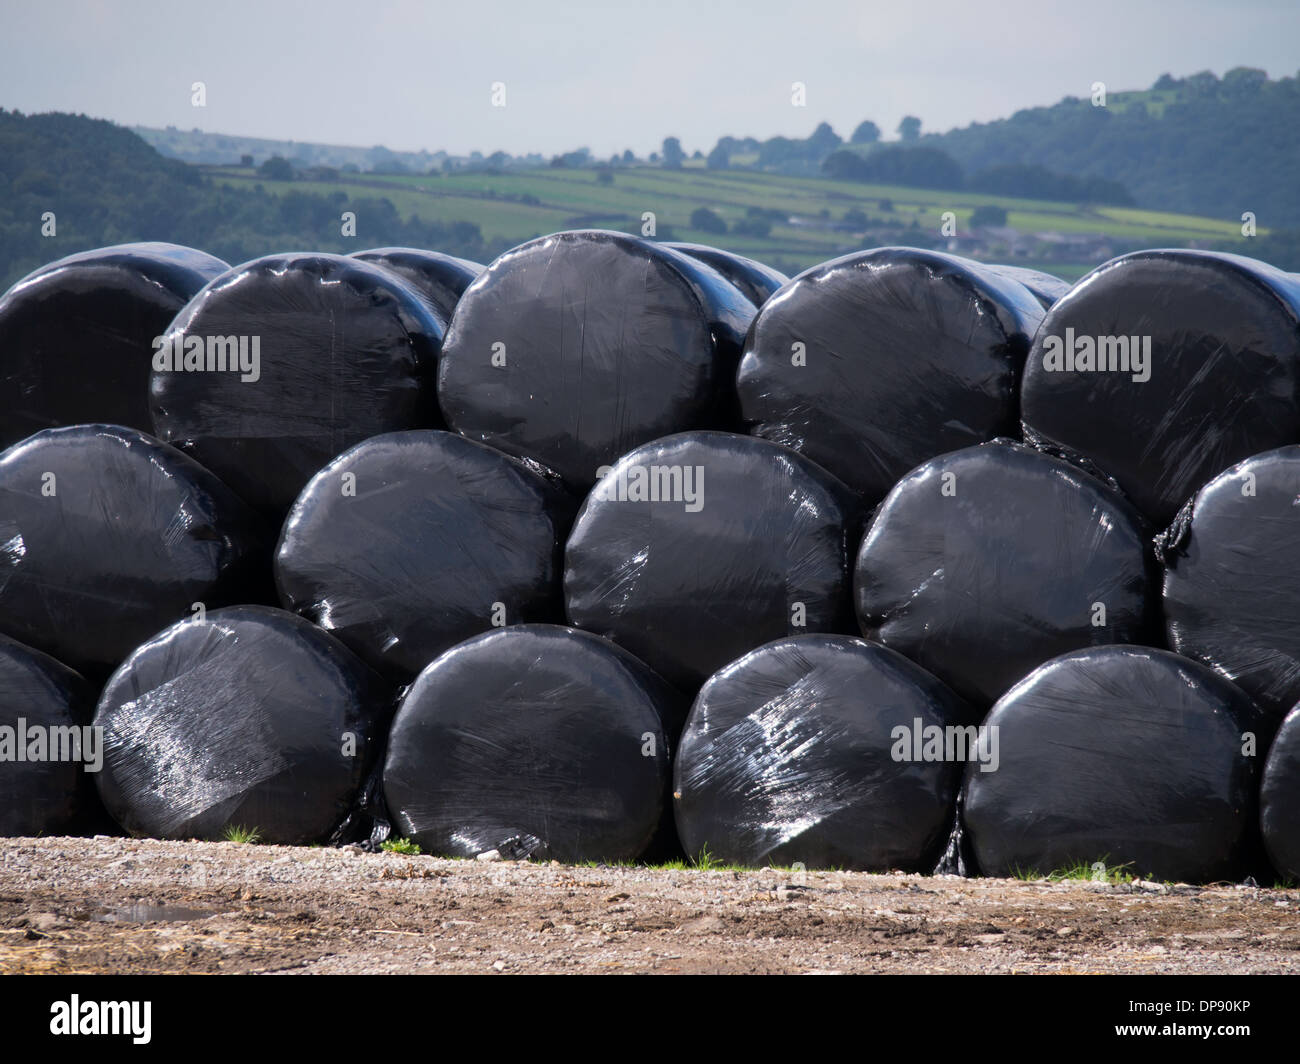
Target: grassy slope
[{"x": 568, "y": 198}]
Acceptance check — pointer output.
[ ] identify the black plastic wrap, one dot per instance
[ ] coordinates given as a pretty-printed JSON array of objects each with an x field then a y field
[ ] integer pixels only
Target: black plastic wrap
[
  {"x": 754, "y": 279},
  {"x": 347, "y": 350},
  {"x": 47, "y": 756},
  {"x": 439, "y": 538},
  {"x": 575, "y": 348},
  {"x": 755, "y": 545},
  {"x": 1279, "y": 799},
  {"x": 1232, "y": 578},
  {"x": 1213, "y": 367},
  {"x": 441, "y": 279},
  {"x": 872, "y": 363},
  {"x": 1124, "y": 755},
  {"x": 250, "y": 718},
  {"x": 76, "y": 335},
  {"x": 1046, "y": 287},
  {"x": 535, "y": 741},
  {"x": 108, "y": 535},
  {"x": 982, "y": 564},
  {"x": 789, "y": 755}
]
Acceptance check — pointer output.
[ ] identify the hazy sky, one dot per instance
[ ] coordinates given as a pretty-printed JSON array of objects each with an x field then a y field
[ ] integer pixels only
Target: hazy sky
[{"x": 605, "y": 75}]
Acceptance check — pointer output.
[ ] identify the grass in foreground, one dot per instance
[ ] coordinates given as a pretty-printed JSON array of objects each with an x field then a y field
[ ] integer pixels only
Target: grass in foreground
[
  {"x": 1080, "y": 871},
  {"x": 239, "y": 833}
]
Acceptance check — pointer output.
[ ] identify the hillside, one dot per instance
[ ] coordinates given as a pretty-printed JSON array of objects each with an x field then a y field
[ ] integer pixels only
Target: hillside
[
  {"x": 105, "y": 185},
  {"x": 1200, "y": 145}
]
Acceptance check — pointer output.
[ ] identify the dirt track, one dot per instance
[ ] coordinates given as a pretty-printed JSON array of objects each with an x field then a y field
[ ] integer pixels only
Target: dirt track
[{"x": 77, "y": 905}]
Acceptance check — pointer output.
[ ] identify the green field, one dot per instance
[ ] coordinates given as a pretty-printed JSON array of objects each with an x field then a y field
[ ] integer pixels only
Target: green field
[{"x": 512, "y": 207}]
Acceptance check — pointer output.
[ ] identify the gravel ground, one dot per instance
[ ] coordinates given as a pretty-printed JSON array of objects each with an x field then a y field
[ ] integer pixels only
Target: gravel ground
[{"x": 136, "y": 906}]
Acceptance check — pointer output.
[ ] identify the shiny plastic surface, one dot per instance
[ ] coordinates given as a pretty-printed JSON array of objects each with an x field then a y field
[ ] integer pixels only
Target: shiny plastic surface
[
  {"x": 441, "y": 279},
  {"x": 754, "y": 279},
  {"x": 76, "y": 335},
  {"x": 789, "y": 755},
  {"x": 107, "y": 536},
  {"x": 42, "y": 701},
  {"x": 1218, "y": 380},
  {"x": 347, "y": 350},
  {"x": 251, "y": 718},
  {"x": 1126, "y": 755},
  {"x": 1046, "y": 287},
  {"x": 875, "y": 362},
  {"x": 982, "y": 564},
  {"x": 1232, "y": 578},
  {"x": 577, "y": 347},
  {"x": 434, "y": 539},
  {"x": 1279, "y": 799},
  {"x": 755, "y": 545},
  {"x": 535, "y": 741}
]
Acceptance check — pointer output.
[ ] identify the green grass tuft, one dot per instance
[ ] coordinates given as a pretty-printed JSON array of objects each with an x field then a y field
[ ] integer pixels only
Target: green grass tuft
[
  {"x": 405, "y": 846},
  {"x": 238, "y": 833}
]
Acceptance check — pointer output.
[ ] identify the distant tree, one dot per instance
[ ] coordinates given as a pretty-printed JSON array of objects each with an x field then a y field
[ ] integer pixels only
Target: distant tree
[
  {"x": 886, "y": 205},
  {"x": 759, "y": 227},
  {"x": 823, "y": 141},
  {"x": 246, "y": 161},
  {"x": 654, "y": 156},
  {"x": 983, "y": 217},
  {"x": 913, "y": 167},
  {"x": 708, "y": 221},
  {"x": 276, "y": 168},
  {"x": 605, "y": 175},
  {"x": 719, "y": 158},
  {"x": 909, "y": 129},
  {"x": 628, "y": 156},
  {"x": 1165, "y": 83},
  {"x": 866, "y": 133},
  {"x": 697, "y": 154},
  {"x": 498, "y": 160},
  {"x": 856, "y": 217},
  {"x": 672, "y": 152}
]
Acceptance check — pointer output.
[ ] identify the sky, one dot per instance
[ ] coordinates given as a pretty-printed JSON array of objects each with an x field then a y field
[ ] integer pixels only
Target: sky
[{"x": 605, "y": 75}]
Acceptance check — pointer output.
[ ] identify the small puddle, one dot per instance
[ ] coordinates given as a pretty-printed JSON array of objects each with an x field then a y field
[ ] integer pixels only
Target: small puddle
[{"x": 148, "y": 914}]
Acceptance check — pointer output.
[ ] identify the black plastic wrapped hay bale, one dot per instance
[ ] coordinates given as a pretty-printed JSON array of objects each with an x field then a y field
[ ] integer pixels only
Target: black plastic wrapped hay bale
[
  {"x": 47, "y": 749},
  {"x": 805, "y": 751},
  {"x": 755, "y": 280},
  {"x": 533, "y": 741},
  {"x": 872, "y": 363},
  {"x": 577, "y": 347},
  {"x": 320, "y": 352},
  {"x": 982, "y": 564},
  {"x": 1164, "y": 368},
  {"x": 250, "y": 718},
  {"x": 1122, "y": 755},
  {"x": 441, "y": 279},
  {"x": 413, "y": 541},
  {"x": 107, "y": 536},
  {"x": 76, "y": 336},
  {"x": 1046, "y": 287},
  {"x": 1279, "y": 799},
  {"x": 701, "y": 546},
  {"x": 1232, "y": 578}
]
